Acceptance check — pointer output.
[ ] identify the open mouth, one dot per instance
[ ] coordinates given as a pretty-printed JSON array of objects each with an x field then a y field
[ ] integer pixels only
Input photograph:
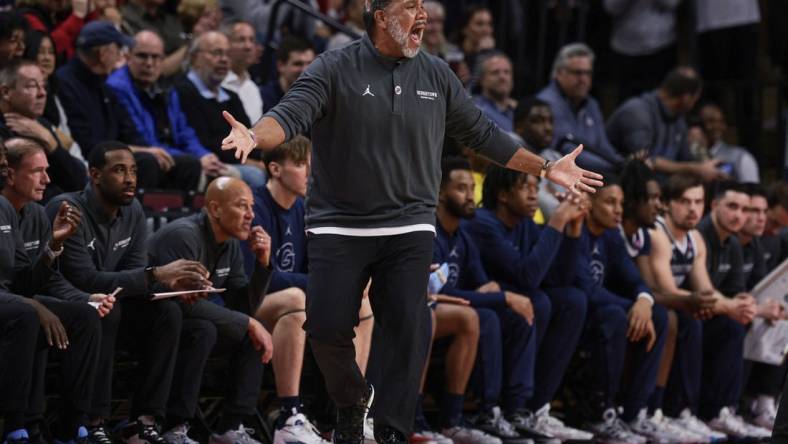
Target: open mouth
[{"x": 417, "y": 33}]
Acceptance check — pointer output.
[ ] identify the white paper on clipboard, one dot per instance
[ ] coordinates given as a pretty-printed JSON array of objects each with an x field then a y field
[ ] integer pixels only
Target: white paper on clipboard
[
  {"x": 172, "y": 294},
  {"x": 764, "y": 342}
]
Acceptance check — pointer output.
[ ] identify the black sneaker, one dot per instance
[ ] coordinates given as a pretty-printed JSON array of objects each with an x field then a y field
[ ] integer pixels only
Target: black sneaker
[
  {"x": 350, "y": 420},
  {"x": 98, "y": 435},
  {"x": 389, "y": 435},
  {"x": 139, "y": 433},
  {"x": 21, "y": 438}
]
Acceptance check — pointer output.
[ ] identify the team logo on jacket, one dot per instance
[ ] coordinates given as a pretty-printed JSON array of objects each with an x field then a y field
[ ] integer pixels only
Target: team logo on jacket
[
  {"x": 122, "y": 243},
  {"x": 427, "y": 95},
  {"x": 285, "y": 257},
  {"x": 367, "y": 92},
  {"x": 222, "y": 272},
  {"x": 5, "y": 229},
  {"x": 597, "y": 271},
  {"x": 454, "y": 274}
]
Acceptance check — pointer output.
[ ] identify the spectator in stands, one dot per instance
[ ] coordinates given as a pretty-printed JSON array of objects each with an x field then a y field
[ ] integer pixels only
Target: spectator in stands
[
  {"x": 12, "y": 37},
  {"x": 203, "y": 98},
  {"x": 578, "y": 118},
  {"x": 643, "y": 40},
  {"x": 40, "y": 48},
  {"x": 621, "y": 310},
  {"x": 68, "y": 323},
  {"x": 721, "y": 389},
  {"x": 354, "y": 15},
  {"x": 654, "y": 122},
  {"x": 221, "y": 324},
  {"x": 63, "y": 20},
  {"x": 292, "y": 57},
  {"x": 533, "y": 122},
  {"x": 243, "y": 54},
  {"x": 476, "y": 33},
  {"x": 94, "y": 113},
  {"x": 436, "y": 43},
  {"x": 156, "y": 111},
  {"x": 22, "y": 98},
  {"x": 20, "y": 321},
  {"x": 524, "y": 259},
  {"x": 279, "y": 210},
  {"x": 199, "y": 16},
  {"x": 151, "y": 15},
  {"x": 736, "y": 161},
  {"x": 108, "y": 251},
  {"x": 496, "y": 83}
]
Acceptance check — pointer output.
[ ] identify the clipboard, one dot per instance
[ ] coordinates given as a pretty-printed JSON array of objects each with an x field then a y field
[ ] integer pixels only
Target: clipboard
[{"x": 173, "y": 294}]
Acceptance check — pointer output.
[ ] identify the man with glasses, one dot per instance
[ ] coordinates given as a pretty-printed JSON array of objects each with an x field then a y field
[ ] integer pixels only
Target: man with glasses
[
  {"x": 156, "y": 110},
  {"x": 578, "y": 118},
  {"x": 203, "y": 98},
  {"x": 95, "y": 114}
]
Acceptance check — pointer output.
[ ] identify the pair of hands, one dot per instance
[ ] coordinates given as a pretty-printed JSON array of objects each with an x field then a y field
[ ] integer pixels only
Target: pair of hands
[
  {"x": 516, "y": 302},
  {"x": 54, "y": 331},
  {"x": 641, "y": 326},
  {"x": 27, "y": 127}
]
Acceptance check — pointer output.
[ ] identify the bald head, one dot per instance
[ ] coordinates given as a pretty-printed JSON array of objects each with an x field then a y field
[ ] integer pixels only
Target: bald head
[
  {"x": 145, "y": 58},
  {"x": 228, "y": 202},
  {"x": 225, "y": 188}
]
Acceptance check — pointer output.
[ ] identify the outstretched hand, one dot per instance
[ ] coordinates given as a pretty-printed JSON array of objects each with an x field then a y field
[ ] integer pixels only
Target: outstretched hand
[
  {"x": 239, "y": 139},
  {"x": 566, "y": 173}
]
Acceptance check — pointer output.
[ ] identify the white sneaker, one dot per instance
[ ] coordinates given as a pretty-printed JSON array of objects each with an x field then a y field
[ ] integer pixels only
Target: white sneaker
[
  {"x": 369, "y": 431},
  {"x": 467, "y": 435},
  {"x": 655, "y": 433},
  {"x": 691, "y": 423},
  {"x": 764, "y": 412},
  {"x": 612, "y": 430},
  {"x": 239, "y": 436},
  {"x": 179, "y": 435},
  {"x": 438, "y": 438},
  {"x": 298, "y": 429},
  {"x": 734, "y": 426},
  {"x": 552, "y": 426},
  {"x": 680, "y": 434}
]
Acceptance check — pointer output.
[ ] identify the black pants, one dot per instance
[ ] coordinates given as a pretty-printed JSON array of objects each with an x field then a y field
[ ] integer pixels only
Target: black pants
[
  {"x": 184, "y": 175},
  {"x": 18, "y": 334},
  {"x": 151, "y": 329},
  {"x": 78, "y": 364},
  {"x": 199, "y": 340},
  {"x": 339, "y": 267}
]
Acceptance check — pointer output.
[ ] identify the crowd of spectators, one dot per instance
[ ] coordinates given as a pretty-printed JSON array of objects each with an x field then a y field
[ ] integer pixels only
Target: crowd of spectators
[{"x": 104, "y": 100}]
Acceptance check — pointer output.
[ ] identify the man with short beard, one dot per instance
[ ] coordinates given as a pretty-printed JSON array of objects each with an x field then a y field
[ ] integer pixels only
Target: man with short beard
[
  {"x": 109, "y": 251},
  {"x": 378, "y": 111},
  {"x": 496, "y": 82}
]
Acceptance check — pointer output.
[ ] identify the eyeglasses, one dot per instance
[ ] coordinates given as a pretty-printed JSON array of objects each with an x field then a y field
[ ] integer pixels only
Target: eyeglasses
[
  {"x": 580, "y": 72},
  {"x": 144, "y": 56},
  {"x": 216, "y": 53}
]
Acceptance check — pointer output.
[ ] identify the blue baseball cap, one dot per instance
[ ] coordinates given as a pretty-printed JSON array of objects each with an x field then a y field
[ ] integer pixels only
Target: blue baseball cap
[{"x": 100, "y": 33}]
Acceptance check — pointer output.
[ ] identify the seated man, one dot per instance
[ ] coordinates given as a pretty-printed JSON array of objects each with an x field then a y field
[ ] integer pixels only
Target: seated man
[
  {"x": 468, "y": 281},
  {"x": 203, "y": 98},
  {"x": 765, "y": 381},
  {"x": 292, "y": 58},
  {"x": 68, "y": 323},
  {"x": 279, "y": 210},
  {"x": 19, "y": 328},
  {"x": 738, "y": 163},
  {"x": 654, "y": 122},
  {"x": 623, "y": 320},
  {"x": 155, "y": 110},
  {"x": 519, "y": 257},
  {"x": 23, "y": 95},
  {"x": 578, "y": 117},
  {"x": 496, "y": 84},
  {"x": 95, "y": 115},
  {"x": 108, "y": 251},
  {"x": 721, "y": 390},
  {"x": 682, "y": 284},
  {"x": 221, "y": 323}
]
